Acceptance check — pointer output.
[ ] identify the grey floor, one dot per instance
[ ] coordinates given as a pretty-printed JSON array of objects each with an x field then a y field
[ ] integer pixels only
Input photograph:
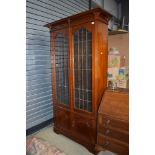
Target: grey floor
[{"x": 65, "y": 144}]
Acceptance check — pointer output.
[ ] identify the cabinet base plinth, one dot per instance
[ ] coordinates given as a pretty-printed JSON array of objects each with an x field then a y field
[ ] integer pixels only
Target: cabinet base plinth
[{"x": 71, "y": 135}]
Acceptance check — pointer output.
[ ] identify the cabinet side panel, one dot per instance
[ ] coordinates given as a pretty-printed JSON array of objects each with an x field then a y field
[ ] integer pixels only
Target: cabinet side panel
[
  {"x": 101, "y": 52},
  {"x": 53, "y": 71}
]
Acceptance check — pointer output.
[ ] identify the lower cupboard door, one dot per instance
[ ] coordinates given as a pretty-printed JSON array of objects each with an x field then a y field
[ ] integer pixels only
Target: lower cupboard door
[
  {"x": 84, "y": 129},
  {"x": 62, "y": 119}
]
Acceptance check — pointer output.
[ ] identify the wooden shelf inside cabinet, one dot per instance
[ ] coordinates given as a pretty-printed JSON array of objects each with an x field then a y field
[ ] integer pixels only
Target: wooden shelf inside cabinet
[{"x": 79, "y": 73}]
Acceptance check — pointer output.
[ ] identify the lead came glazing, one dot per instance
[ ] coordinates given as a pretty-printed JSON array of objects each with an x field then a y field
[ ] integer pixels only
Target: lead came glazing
[
  {"x": 61, "y": 61},
  {"x": 83, "y": 69}
]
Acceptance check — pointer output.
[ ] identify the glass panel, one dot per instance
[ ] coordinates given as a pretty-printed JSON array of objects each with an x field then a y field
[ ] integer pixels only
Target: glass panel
[
  {"x": 61, "y": 61},
  {"x": 83, "y": 69}
]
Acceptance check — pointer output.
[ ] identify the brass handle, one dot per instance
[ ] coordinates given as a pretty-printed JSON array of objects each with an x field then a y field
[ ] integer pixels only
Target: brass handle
[
  {"x": 73, "y": 123},
  {"x": 106, "y": 143},
  {"x": 88, "y": 124},
  {"x": 107, "y": 131},
  {"x": 108, "y": 121}
]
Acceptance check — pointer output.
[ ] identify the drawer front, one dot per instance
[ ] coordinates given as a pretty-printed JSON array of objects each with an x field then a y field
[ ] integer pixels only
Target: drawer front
[
  {"x": 114, "y": 146},
  {"x": 122, "y": 136},
  {"x": 84, "y": 129},
  {"x": 109, "y": 122},
  {"x": 62, "y": 119}
]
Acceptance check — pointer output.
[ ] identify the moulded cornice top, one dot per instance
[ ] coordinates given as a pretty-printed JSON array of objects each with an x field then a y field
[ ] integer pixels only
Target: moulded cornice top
[{"x": 96, "y": 12}]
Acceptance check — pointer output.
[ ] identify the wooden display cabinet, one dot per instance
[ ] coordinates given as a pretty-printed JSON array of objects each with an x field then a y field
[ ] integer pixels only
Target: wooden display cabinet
[{"x": 79, "y": 73}]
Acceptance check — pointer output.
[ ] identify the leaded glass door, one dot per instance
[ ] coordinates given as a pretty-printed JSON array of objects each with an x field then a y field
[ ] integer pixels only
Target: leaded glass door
[
  {"x": 82, "y": 42},
  {"x": 61, "y": 67}
]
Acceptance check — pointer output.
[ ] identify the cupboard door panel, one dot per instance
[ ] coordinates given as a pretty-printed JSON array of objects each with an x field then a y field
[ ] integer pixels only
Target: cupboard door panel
[
  {"x": 82, "y": 42},
  {"x": 84, "y": 128},
  {"x": 61, "y": 67},
  {"x": 62, "y": 119}
]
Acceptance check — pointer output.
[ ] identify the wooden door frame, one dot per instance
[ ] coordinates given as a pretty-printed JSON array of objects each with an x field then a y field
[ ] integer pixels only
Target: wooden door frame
[
  {"x": 91, "y": 28},
  {"x": 54, "y": 92}
]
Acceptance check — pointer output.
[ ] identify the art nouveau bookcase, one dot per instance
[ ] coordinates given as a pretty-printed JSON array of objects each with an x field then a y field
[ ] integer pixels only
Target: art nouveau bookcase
[{"x": 79, "y": 73}]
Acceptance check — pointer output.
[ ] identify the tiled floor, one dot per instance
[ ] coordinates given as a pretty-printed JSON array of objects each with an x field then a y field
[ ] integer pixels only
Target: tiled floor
[{"x": 65, "y": 144}]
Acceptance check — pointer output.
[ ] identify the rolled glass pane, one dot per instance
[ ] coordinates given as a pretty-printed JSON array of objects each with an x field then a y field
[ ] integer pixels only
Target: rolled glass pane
[
  {"x": 83, "y": 69},
  {"x": 61, "y": 62}
]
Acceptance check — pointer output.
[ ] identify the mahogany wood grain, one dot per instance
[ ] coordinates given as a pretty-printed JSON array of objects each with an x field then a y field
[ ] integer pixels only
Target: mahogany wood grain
[
  {"x": 113, "y": 145},
  {"x": 113, "y": 122},
  {"x": 81, "y": 125}
]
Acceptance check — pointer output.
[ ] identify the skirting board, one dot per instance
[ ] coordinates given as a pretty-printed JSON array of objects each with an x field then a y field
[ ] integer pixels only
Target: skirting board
[{"x": 38, "y": 127}]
